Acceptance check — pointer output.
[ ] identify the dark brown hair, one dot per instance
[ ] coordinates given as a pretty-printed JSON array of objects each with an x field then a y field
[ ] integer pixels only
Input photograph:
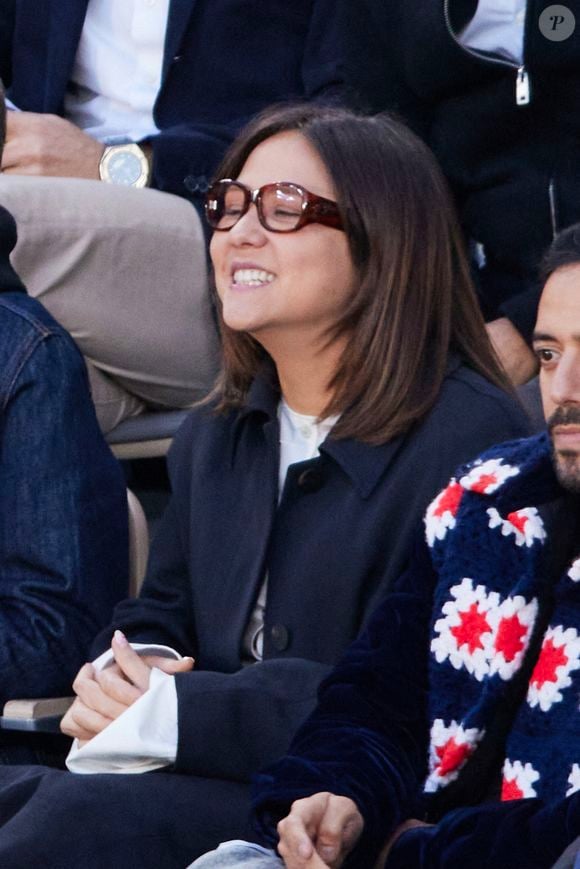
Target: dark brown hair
[
  {"x": 564, "y": 251},
  {"x": 413, "y": 302}
]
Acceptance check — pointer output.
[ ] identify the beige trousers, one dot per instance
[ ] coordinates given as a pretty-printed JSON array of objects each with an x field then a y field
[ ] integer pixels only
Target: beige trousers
[{"x": 125, "y": 272}]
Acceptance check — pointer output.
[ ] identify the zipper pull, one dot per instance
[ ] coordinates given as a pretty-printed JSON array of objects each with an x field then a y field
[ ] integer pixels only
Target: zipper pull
[{"x": 522, "y": 87}]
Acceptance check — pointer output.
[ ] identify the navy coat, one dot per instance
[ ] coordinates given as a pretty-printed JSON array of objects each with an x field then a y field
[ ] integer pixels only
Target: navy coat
[
  {"x": 222, "y": 63},
  {"x": 331, "y": 548}
]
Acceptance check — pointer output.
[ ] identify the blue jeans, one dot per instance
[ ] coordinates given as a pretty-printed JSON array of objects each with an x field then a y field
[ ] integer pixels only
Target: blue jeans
[
  {"x": 243, "y": 855},
  {"x": 63, "y": 506}
]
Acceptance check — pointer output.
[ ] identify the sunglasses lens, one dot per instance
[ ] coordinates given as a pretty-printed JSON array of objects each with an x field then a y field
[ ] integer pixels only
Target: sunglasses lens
[
  {"x": 225, "y": 205},
  {"x": 282, "y": 206}
]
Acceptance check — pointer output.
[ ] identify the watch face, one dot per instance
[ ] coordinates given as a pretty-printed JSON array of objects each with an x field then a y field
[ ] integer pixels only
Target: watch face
[{"x": 124, "y": 168}]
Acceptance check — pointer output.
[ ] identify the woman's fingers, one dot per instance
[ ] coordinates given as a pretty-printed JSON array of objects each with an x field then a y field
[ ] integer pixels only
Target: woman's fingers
[
  {"x": 88, "y": 688},
  {"x": 116, "y": 687},
  {"x": 169, "y": 665},
  {"x": 132, "y": 666},
  {"x": 83, "y": 723}
]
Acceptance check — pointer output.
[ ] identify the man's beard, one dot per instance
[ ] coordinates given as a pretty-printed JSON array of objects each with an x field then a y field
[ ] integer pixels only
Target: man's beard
[{"x": 566, "y": 462}]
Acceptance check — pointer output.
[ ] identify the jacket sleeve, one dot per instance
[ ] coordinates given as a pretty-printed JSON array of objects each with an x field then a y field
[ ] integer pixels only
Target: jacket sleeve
[
  {"x": 63, "y": 534},
  {"x": 231, "y": 724},
  {"x": 519, "y": 833},
  {"x": 367, "y": 738},
  {"x": 162, "y": 612}
]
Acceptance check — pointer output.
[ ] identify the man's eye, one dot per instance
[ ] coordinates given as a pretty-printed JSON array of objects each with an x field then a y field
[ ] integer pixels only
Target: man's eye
[{"x": 545, "y": 355}]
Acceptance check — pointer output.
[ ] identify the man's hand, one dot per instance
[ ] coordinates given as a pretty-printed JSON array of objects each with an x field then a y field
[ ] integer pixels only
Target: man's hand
[
  {"x": 38, "y": 144},
  {"x": 514, "y": 354},
  {"x": 320, "y": 831},
  {"x": 103, "y": 696}
]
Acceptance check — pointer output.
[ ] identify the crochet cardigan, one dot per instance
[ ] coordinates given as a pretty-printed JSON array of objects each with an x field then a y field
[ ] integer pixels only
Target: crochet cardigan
[{"x": 406, "y": 721}]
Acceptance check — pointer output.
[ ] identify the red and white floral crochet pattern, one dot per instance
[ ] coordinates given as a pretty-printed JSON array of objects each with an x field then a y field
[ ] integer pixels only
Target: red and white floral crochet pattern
[
  {"x": 525, "y": 525},
  {"x": 441, "y": 513},
  {"x": 512, "y": 628},
  {"x": 518, "y": 780},
  {"x": 574, "y": 780},
  {"x": 558, "y": 658},
  {"x": 574, "y": 572},
  {"x": 449, "y": 749},
  {"x": 488, "y": 476},
  {"x": 481, "y": 633}
]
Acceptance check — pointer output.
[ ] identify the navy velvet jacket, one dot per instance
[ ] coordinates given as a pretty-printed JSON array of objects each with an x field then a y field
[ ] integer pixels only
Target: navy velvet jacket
[
  {"x": 223, "y": 62},
  {"x": 331, "y": 547},
  {"x": 409, "y": 708},
  {"x": 63, "y": 501}
]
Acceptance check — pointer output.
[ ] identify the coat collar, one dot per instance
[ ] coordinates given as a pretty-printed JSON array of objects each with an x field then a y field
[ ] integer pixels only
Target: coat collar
[{"x": 363, "y": 463}]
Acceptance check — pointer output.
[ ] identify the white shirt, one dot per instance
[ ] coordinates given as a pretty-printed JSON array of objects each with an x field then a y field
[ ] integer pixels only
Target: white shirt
[
  {"x": 144, "y": 737},
  {"x": 117, "y": 70},
  {"x": 497, "y": 28}
]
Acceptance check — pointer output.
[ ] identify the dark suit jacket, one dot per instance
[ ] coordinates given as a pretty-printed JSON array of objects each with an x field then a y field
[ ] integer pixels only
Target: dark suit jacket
[{"x": 223, "y": 62}]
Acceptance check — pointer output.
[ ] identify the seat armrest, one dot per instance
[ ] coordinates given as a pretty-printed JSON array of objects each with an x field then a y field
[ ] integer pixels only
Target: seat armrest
[{"x": 43, "y": 714}]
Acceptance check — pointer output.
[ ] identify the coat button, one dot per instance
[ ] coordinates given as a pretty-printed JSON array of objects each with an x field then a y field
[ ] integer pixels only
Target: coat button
[
  {"x": 310, "y": 481},
  {"x": 280, "y": 637}
]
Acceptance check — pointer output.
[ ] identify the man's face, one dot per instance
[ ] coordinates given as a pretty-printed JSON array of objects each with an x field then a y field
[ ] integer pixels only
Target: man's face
[{"x": 557, "y": 346}]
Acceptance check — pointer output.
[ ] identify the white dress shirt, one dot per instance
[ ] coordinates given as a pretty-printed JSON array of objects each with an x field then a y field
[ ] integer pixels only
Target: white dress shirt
[
  {"x": 144, "y": 737},
  {"x": 498, "y": 29},
  {"x": 117, "y": 70}
]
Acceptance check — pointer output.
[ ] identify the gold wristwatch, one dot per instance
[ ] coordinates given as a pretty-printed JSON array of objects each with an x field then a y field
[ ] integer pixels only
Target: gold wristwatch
[{"x": 125, "y": 164}]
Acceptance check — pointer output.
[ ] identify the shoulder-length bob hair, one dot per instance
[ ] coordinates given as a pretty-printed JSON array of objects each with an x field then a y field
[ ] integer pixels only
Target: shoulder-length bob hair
[{"x": 413, "y": 303}]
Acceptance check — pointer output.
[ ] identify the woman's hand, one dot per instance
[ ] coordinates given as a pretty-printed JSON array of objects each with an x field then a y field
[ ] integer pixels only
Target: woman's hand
[
  {"x": 320, "y": 830},
  {"x": 103, "y": 696}
]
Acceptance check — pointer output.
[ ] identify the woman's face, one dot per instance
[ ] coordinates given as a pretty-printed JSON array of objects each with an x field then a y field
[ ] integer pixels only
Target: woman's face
[{"x": 282, "y": 285}]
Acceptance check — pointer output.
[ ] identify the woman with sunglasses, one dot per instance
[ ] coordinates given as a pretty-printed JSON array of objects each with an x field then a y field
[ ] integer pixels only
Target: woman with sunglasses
[{"x": 356, "y": 376}]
